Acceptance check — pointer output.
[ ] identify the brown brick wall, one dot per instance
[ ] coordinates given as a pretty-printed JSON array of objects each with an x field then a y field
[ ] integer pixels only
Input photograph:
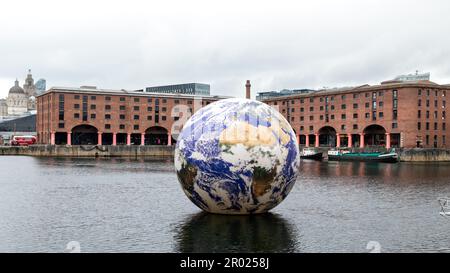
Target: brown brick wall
[
  {"x": 408, "y": 96},
  {"x": 48, "y": 112},
  {"x": 407, "y": 112}
]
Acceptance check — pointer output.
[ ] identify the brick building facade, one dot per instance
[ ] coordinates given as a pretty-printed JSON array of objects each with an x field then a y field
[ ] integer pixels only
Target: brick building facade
[
  {"x": 87, "y": 115},
  {"x": 392, "y": 114}
]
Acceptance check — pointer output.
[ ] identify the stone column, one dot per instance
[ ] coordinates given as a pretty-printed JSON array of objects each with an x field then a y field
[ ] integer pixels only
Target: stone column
[
  {"x": 128, "y": 139},
  {"x": 361, "y": 140},
  {"x": 114, "y": 139},
  {"x": 99, "y": 139},
  {"x": 317, "y": 140},
  {"x": 142, "y": 139},
  {"x": 388, "y": 141},
  {"x": 349, "y": 137},
  {"x": 69, "y": 138},
  {"x": 169, "y": 139},
  {"x": 338, "y": 140},
  {"x": 52, "y": 138},
  {"x": 307, "y": 141}
]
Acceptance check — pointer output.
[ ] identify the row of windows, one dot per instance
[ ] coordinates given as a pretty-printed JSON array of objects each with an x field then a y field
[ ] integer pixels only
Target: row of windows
[
  {"x": 427, "y": 126},
  {"x": 135, "y": 127},
  {"x": 343, "y": 97},
  {"x": 344, "y": 127},
  {"x": 122, "y": 126},
  {"x": 122, "y": 117},
  {"x": 343, "y": 107},
  {"x": 344, "y": 116},
  {"x": 107, "y": 126},
  {"x": 367, "y": 95},
  {"x": 444, "y": 93},
  {"x": 427, "y": 103},
  {"x": 435, "y": 138},
  {"x": 77, "y": 97},
  {"x": 149, "y": 100},
  {"x": 427, "y": 114},
  {"x": 123, "y": 108}
]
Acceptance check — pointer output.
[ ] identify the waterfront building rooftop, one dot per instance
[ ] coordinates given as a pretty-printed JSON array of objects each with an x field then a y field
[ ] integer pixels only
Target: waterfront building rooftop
[
  {"x": 404, "y": 114},
  {"x": 95, "y": 90},
  {"x": 282, "y": 93},
  {"x": 409, "y": 79},
  {"x": 361, "y": 88},
  {"x": 184, "y": 88}
]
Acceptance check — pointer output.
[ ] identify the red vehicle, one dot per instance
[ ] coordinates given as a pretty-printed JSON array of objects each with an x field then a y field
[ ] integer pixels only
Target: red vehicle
[{"x": 23, "y": 140}]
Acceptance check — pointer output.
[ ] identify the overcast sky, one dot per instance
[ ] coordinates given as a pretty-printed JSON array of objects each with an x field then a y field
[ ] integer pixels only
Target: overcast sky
[{"x": 275, "y": 44}]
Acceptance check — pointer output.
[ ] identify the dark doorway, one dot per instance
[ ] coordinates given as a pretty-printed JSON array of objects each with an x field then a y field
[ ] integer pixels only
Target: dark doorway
[
  {"x": 312, "y": 140},
  {"x": 156, "y": 136},
  {"x": 135, "y": 139},
  {"x": 302, "y": 140},
  {"x": 121, "y": 139},
  {"x": 107, "y": 138},
  {"x": 344, "y": 141},
  {"x": 356, "y": 140},
  {"x": 84, "y": 135},
  {"x": 395, "y": 140},
  {"x": 374, "y": 135},
  {"x": 60, "y": 138},
  {"x": 327, "y": 137}
]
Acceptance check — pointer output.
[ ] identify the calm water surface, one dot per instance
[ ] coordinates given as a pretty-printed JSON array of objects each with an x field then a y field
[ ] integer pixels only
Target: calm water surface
[{"x": 120, "y": 205}]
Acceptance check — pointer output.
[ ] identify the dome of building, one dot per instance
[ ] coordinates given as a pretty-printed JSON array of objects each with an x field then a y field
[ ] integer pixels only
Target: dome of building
[{"x": 16, "y": 88}]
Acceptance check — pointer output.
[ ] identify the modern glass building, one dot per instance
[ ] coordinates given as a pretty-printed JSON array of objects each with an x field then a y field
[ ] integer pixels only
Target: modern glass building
[
  {"x": 41, "y": 85},
  {"x": 186, "y": 88},
  {"x": 285, "y": 92},
  {"x": 413, "y": 77}
]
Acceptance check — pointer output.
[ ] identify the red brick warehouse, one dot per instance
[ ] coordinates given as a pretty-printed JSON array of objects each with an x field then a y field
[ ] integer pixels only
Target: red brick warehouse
[
  {"x": 91, "y": 116},
  {"x": 392, "y": 114}
]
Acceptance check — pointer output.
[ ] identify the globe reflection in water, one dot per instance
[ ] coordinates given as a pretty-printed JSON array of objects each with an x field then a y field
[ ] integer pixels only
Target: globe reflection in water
[
  {"x": 237, "y": 156},
  {"x": 204, "y": 232}
]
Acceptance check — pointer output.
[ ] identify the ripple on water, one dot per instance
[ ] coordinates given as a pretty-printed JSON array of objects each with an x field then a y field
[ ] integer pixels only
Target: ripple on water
[{"x": 123, "y": 205}]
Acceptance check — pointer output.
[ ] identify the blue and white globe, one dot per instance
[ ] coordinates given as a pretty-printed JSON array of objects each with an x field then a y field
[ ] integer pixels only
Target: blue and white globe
[{"x": 237, "y": 156}]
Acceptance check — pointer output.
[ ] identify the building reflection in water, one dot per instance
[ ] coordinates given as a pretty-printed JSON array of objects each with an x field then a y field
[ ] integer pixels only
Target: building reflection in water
[
  {"x": 108, "y": 164},
  {"x": 403, "y": 173},
  {"x": 204, "y": 232}
]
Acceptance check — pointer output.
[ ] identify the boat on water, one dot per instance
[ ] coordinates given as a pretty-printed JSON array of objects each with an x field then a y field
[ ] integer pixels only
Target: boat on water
[
  {"x": 346, "y": 155},
  {"x": 312, "y": 154}
]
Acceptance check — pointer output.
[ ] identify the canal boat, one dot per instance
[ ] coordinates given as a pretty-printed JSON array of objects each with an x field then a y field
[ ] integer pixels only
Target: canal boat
[
  {"x": 445, "y": 206},
  {"x": 312, "y": 154},
  {"x": 346, "y": 155}
]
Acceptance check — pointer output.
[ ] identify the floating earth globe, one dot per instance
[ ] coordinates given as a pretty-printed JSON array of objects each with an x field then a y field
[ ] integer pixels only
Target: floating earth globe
[{"x": 237, "y": 156}]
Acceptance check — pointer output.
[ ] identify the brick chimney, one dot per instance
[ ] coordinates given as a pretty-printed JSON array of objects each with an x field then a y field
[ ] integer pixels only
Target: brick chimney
[{"x": 247, "y": 89}]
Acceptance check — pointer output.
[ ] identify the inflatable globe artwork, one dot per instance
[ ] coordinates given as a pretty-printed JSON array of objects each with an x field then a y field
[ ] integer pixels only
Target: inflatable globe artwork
[{"x": 237, "y": 156}]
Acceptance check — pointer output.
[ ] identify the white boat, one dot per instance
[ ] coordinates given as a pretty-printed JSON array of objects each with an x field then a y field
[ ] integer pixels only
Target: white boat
[{"x": 311, "y": 153}]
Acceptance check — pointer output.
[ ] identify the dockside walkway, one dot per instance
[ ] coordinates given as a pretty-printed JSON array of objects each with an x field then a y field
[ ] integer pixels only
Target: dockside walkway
[{"x": 406, "y": 155}]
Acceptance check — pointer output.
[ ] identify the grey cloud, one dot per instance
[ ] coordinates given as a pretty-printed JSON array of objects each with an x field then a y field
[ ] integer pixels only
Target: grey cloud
[{"x": 277, "y": 44}]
